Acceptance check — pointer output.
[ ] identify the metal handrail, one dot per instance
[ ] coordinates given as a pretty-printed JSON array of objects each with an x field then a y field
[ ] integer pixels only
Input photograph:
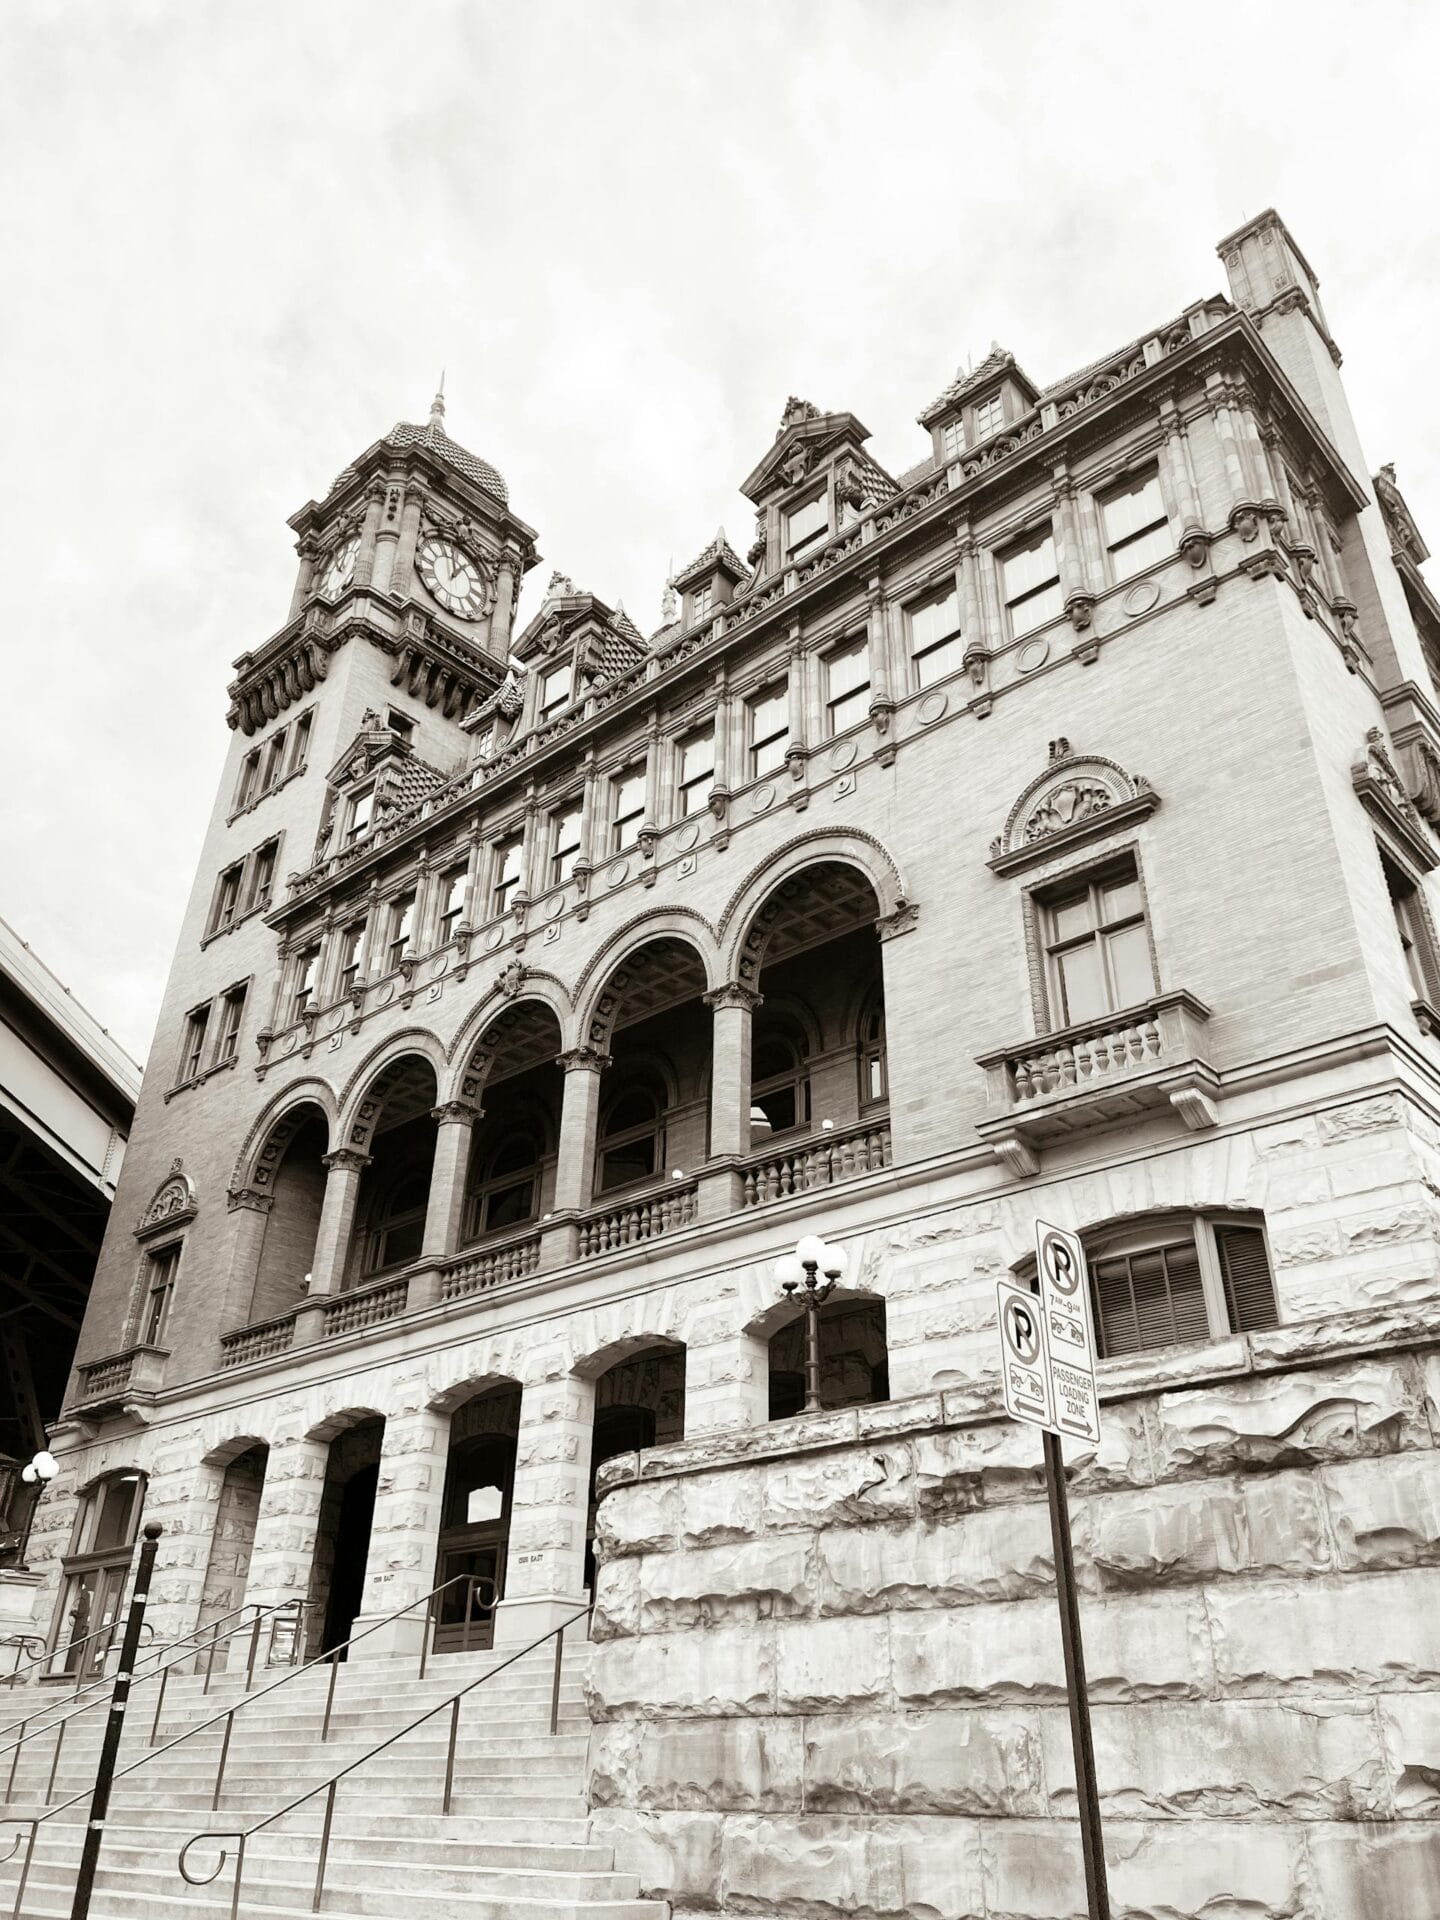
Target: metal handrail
[
  {"x": 20, "y": 1641},
  {"x": 112, "y": 1627},
  {"x": 153, "y": 1652},
  {"x": 163, "y": 1673},
  {"x": 36, "y": 1821},
  {"x": 241, "y": 1834}
]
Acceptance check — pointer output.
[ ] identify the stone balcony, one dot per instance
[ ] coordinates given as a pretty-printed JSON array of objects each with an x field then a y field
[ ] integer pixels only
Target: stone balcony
[
  {"x": 121, "y": 1382},
  {"x": 1097, "y": 1072}
]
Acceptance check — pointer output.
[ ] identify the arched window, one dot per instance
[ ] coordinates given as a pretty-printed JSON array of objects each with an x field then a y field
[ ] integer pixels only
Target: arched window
[
  {"x": 397, "y": 1228},
  {"x": 779, "y": 1077},
  {"x": 1163, "y": 1283},
  {"x": 509, "y": 1191},
  {"x": 632, "y": 1135},
  {"x": 874, "y": 1065}
]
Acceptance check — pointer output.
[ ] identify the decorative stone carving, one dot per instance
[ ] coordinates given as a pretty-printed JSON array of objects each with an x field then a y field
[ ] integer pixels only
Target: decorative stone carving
[
  {"x": 174, "y": 1202},
  {"x": 1383, "y": 795},
  {"x": 1399, "y": 521},
  {"x": 1077, "y": 797},
  {"x": 512, "y": 978}
]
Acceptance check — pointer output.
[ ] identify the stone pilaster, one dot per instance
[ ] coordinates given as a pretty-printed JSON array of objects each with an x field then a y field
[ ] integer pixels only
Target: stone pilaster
[
  {"x": 544, "y": 1578},
  {"x": 579, "y": 1127}
]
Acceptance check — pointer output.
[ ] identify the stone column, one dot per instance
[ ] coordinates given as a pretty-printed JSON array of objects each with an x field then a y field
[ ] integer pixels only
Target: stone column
[
  {"x": 454, "y": 1125},
  {"x": 305, "y": 578},
  {"x": 365, "y": 557},
  {"x": 287, "y": 1523},
  {"x": 249, "y": 1215},
  {"x": 734, "y": 1008},
  {"x": 400, "y": 1563},
  {"x": 579, "y": 1126},
  {"x": 332, "y": 1240},
  {"x": 1076, "y": 588},
  {"x": 404, "y": 565},
  {"x": 544, "y": 1577}
]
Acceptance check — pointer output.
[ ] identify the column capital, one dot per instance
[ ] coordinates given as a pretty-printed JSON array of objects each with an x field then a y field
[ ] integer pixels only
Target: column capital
[
  {"x": 346, "y": 1159},
  {"x": 455, "y": 1113},
  {"x": 583, "y": 1060},
  {"x": 734, "y": 995}
]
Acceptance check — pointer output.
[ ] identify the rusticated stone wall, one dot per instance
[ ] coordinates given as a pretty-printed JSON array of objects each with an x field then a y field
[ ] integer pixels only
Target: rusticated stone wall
[{"x": 829, "y": 1677}]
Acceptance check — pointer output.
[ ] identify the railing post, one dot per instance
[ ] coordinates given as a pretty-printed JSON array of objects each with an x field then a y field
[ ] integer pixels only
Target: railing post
[
  {"x": 55, "y": 1762},
  {"x": 450, "y": 1753},
  {"x": 324, "y": 1847},
  {"x": 254, "y": 1649},
  {"x": 15, "y": 1758},
  {"x": 25, "y": 1870},
  {"x": 330, "y": 1695},
  {"x": 114, "y": 1727},
  {"x": 159, "y": 1703},
  {"x": 555, "y": 1687},
  {"x": 224, "y": 1752}
]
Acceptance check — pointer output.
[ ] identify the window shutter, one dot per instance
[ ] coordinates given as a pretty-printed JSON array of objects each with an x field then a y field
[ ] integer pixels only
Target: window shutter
[{"x": 1249, "y": 1290}]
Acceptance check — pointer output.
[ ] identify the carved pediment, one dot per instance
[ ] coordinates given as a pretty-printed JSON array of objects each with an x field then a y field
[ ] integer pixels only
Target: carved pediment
[
  {"x": 173, "y": 1204},
  {"x": 1383, "y": 795},
  {"x": 1079, "y": 797}
]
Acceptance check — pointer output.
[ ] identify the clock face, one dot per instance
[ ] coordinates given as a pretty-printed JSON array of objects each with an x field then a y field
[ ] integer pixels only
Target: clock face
[
  {"x": 452, "y": 577},
  {"x": 341, "y": 568}
]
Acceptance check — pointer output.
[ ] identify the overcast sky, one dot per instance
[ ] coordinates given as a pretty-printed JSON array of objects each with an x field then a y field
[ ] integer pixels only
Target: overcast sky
[{"x": 240, "y": 241}]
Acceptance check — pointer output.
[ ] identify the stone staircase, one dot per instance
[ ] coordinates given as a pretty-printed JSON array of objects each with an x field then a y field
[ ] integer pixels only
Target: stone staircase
[{"x": 515, "y": 1846}]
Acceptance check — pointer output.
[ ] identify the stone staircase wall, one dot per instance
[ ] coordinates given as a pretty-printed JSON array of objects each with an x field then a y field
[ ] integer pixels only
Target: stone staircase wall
[{"x": 830, "y": 1678}]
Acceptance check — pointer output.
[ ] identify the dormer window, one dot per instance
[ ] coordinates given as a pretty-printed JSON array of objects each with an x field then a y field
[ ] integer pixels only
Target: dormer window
[
  {"x": 952, "y": 438},
  {"x": 402, "y": 726},
  {"x": 989, "y": 417},
  {"x": 361, "y": 807},
  {"x": 702, "y": 599},
  {"x": 807, "y": 526},
  {"x": 554, "y": 690}
]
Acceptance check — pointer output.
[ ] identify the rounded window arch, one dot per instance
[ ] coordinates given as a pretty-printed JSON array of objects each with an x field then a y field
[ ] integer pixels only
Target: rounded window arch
[
  {"x": 506, "y": 1191},
  {"x": 779, "y": 1076},
  {"x": 632, "y": 1132},
  {"x": 397, "y": 1220},
  {"x": 874, "y": 1064},
  {"x": 95, "y": 1571}
]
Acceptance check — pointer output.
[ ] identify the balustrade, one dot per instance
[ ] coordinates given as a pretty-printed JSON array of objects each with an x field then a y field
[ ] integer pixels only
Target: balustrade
[
  {"x": 259, "y": 1342},
  {"x": 818, "y": 1160},
  {"x": 645, "y": 1217},
  {"x": 491, "y": 1266},
  {"x": 364, "y": 1307}
]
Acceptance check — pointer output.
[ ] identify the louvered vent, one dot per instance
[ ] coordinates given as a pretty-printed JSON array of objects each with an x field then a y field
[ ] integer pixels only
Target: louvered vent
[
  {"x": 1149, "y": 1299},
  {"x": 1249, "y": 1289}
]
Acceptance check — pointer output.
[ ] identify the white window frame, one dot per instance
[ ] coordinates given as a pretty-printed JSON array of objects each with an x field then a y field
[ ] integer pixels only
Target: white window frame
[
  {"x": 799, "y": 548},
  {"x": 856, "y": 648},
  {"x": 193, "y": 1042},
  {"x": 625, "y": 827},
  {"x": 989, "y": 417},
  {"x": 504, "y": 885},
  {"x": 778, "y": 693},
  {"x": 359, "y": 815},
  {"x": 232, "y": 1018},
  {"x": 1142, "y": 1236},
  {"x": 1139, "y": 540},
  {"x": 548, "y": 705},
  {"x": 399, "y": 930},
  {"x": 1033, "y": 542},
  {"x": 951, "y": 638},
  {"x": 452, "y": 903},
  {"x": 688, "y": 800}
]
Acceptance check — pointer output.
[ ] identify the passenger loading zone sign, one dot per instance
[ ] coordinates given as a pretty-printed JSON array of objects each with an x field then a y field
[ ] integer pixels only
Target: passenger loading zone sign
[{"x": 1047, "y": 1341}]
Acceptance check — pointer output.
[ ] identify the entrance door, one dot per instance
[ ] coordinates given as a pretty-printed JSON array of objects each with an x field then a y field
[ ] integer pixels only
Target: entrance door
[
  {"x": 92, "y": 1601},
  {"x": 352, "y": 1546},
  {"x": 96, "y": 1570},
  {"x": 474, "y": 1540}
]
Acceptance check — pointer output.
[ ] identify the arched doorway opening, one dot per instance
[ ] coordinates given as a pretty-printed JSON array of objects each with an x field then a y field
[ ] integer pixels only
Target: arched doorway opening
[
  {"x": 294, "y": 1154},
  {"x": 639, "y": 1402},
  {"x": 233, "y": 1540},
  {"x": 854, "y": 1358},
  {"x": 475, "y": 1517},
  {"x": 342, "y": 1536},
  {"x": 395, "y": 1187}
]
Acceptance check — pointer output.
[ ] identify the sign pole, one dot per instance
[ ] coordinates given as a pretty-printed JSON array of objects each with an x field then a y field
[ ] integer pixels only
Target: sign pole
[
  {"x": 1047, "y": 1371},
  {"x": 1092, "y": 1844}
]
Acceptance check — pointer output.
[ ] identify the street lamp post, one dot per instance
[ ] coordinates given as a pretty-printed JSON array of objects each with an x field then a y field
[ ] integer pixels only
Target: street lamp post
[
  {"x": 40, "y": 1472},
  {"x": 798, "y": 1273}
]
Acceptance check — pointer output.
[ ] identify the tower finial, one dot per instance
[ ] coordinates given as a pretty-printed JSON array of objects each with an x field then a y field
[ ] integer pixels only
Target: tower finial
[
  {"x": 669, "y": 606},
  {"x": 437, "y": 405}
]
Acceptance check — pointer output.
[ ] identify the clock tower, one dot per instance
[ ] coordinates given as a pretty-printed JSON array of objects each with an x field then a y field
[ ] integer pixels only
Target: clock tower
[{"x": 422, "y": 523}]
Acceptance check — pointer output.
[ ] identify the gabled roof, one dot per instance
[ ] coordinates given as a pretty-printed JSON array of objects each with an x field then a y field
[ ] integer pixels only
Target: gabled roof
[
  {"x": 719, "y": 553},
  {"x": 606, "y": 639},
  {"x": 411, "y": 778},
  {"x": 805, "y": 436},
  {"x": 996, "y": 364}
]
